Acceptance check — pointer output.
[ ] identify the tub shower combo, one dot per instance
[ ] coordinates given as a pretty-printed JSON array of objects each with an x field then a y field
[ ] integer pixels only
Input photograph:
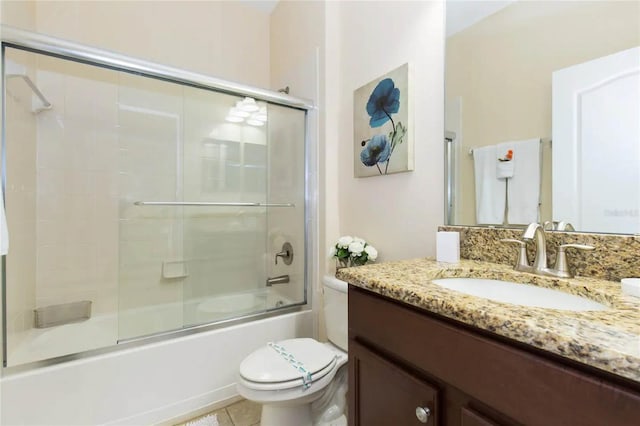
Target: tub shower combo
[{"x": 143, "y": 202}]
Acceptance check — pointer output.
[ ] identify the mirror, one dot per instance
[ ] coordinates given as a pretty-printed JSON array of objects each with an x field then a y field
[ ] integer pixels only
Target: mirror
[{"x": 503, "y": 59}]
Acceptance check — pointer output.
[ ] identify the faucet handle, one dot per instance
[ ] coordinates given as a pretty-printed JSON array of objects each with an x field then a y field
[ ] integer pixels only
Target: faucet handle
[
  {"x": 286, "y": 254},
  {"x": 522, "y": 255},
  {"x": 575, "y": 246},
  {"x": 562, "y": 265}
]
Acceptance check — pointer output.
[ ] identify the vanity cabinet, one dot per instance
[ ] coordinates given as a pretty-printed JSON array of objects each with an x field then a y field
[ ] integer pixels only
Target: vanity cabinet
[{"x": 403, "y": 358}]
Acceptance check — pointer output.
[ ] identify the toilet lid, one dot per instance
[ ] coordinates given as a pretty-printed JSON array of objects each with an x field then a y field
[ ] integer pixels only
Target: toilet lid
[{"x": 269, "y": 365}]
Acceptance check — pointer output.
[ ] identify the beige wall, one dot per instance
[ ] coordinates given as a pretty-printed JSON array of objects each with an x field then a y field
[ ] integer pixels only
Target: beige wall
[
  {"x": 225, "y": 39},
  {"x": 398, "y": 214},
  {"x": 501, "y": 68}
]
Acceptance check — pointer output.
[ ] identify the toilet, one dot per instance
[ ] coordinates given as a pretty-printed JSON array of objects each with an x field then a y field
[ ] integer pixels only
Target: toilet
[{"x": 286, "y": 377}]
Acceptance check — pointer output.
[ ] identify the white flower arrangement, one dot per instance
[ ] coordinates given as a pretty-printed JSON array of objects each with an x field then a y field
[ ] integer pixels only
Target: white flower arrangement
[{"x": 353, "y": 251}]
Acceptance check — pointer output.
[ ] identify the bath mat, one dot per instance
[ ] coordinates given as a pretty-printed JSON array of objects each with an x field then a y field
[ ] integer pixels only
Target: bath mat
[{"x": 210, "y": 420}]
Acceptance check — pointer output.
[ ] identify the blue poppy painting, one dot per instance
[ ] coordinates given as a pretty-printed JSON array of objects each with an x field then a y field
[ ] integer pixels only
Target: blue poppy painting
[{"x": 381, "y": 116}]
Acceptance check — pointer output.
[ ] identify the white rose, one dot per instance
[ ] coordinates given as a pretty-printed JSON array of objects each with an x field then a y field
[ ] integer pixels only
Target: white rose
[
  {"x": 332, "y": 251},
  {"x": 344, "y": 242},
  {"x": 359, "y": 240},
  {"x": 356, "y": 248},
  {"x": 372, "y": 253}
]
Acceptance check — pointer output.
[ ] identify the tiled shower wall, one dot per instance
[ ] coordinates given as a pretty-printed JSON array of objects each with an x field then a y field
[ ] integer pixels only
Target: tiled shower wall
[
  {"x": 77, "y": 181},
  {"x": 20, "y": 199}
]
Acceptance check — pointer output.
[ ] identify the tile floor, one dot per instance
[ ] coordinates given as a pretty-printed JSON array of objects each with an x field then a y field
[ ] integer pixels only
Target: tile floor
[{"x": 241, "y": 413}]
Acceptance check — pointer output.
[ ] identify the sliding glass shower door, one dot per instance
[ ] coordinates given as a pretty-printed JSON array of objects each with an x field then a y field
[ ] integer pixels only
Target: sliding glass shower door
[{"x": 138, "y": 206}]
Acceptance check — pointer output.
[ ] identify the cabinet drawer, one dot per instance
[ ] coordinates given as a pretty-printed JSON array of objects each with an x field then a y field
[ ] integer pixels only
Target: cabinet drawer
[
  {"x": 384, "y": 394},
  {"x": 524, "y": 386},
  {"x": 469, "y": 417}
]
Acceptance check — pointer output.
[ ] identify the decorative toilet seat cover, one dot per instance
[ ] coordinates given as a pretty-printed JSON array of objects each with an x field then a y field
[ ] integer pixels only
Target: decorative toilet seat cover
[{"x": 287, "y": 360}]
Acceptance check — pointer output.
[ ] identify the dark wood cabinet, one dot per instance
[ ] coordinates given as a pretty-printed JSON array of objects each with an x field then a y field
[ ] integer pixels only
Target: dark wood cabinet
[
  {"x": 408, "y": 400},
  {"x": 403, "y": 358}
]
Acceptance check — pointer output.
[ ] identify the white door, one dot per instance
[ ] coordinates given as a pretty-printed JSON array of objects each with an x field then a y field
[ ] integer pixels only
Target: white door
[{"x": 596, "y": 144}]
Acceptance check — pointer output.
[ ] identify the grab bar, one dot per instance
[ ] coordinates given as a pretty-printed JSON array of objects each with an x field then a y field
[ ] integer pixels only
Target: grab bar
[{"x": 208, "y": 204}]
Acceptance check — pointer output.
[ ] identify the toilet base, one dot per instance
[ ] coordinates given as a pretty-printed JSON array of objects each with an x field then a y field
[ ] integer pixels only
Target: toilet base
[{"x": 286, "y": 415}]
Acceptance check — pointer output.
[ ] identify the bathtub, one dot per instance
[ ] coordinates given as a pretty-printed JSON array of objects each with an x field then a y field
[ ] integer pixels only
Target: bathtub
[
  {"x": 144, "y": 384},
  {"x": 102, "y": 330}
]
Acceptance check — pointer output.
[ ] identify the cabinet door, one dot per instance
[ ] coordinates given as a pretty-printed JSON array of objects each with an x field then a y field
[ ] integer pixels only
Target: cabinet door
[{"x": 384, "y": 394}]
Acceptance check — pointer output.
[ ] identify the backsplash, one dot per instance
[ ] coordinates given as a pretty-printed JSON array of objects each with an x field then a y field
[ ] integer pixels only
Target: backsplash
[{"x": 614, "y": 257}]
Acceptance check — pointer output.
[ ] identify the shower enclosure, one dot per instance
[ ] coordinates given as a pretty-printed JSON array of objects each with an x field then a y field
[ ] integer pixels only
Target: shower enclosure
[{"x": 142, "y": 201}]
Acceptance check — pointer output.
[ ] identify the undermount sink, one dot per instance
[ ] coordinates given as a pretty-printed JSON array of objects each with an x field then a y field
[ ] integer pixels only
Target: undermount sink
[{"x": 520, "y": 294}]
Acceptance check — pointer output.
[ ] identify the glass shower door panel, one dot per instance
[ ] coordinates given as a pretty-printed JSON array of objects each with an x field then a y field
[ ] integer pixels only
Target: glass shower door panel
[
  {"x": 286, "y": 186},
  {"x": 62, "y": 207},
  {"x": 151, "y": 145},
  {"x": 225, "y": 162}
]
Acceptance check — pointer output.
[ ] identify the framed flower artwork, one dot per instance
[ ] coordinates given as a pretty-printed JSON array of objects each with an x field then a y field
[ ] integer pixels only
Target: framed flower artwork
[{"x": 382, "y": 134}]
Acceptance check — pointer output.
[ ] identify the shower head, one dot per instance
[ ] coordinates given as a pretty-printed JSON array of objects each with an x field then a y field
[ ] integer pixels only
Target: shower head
[{"x": 13, "y": 70}]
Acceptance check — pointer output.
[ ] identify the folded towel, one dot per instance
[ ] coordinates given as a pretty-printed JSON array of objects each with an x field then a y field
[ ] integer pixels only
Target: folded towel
[
  {"x": 4, "y": 231},
  {"x": 490, "y": 191},
  {"x": 504, "y": 169},
  {"x": 523, "y": 192}
]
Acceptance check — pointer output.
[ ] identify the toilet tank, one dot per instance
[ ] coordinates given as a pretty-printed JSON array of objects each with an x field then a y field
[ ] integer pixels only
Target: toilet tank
[{"x": 335, "y": 310}]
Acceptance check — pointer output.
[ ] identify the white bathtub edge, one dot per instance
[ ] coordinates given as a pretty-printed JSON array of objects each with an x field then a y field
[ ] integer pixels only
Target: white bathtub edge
[
  {"x": 150, "y": 384},
  {"x": 184, "y": 410}
]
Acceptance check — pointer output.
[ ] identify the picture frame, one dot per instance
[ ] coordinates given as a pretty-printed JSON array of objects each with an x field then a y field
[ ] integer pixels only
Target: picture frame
[{"x": 383, "y": 142}]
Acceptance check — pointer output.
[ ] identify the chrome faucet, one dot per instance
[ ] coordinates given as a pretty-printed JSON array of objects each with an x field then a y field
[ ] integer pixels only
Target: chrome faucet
[{"x": 535, "y": 232}]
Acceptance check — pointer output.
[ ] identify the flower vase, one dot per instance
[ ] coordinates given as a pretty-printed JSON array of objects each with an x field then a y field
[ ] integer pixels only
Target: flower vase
[{"x": 342, "y": 263}]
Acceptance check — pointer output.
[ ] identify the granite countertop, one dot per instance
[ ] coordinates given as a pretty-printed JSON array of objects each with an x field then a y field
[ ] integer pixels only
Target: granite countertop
[{"x": 608, "y": 340}]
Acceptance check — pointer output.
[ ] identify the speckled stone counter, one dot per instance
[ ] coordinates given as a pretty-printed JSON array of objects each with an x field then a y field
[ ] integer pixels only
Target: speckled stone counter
[
  {"x": 608, "y": 340},
  {"x": 614, "y": 256}
]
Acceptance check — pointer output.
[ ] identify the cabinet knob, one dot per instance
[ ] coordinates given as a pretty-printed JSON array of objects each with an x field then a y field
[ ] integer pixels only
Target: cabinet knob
[{"x": 422, "y": 413}]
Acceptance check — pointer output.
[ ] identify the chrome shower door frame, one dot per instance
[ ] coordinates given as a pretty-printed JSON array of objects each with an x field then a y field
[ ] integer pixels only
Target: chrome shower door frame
[{"x": 68, "y": 50}]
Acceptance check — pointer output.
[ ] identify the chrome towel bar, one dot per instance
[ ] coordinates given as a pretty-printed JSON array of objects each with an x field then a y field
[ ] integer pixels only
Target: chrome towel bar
[{"x": 208, "y": 204}]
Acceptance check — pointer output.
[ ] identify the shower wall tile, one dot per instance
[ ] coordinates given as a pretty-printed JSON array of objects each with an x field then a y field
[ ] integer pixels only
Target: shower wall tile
[
  {"x": 286, "y": 185},
  {"x": 51, "y": 80},
  {"x": 106, "y": 182},
  {"x": 77, "y": 207},
  {"x": 149, "y": 127},
  {"x": 141, "y": 229},
  {"x": 151, "y": 302},
  {"x": 20, "y": 204},
  {"x": 50, "y": 181},
  {"x": 106, "y": 151}
]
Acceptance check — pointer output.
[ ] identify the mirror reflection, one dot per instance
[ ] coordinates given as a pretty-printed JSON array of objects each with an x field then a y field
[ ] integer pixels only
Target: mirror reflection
[{"x": 542, "y": 114}]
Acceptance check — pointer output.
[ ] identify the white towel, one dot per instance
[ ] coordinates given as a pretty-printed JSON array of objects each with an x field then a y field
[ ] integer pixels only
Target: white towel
[
  {"x": 4, "y": 231},
  {"x": 504, "y": 169},
  {"x": 523, "y": 192},
  {"x": 490, "y": 191}
]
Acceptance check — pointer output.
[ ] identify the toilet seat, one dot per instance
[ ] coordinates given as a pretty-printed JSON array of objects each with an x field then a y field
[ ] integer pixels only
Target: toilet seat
[{"x": 287, "y": 364}]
